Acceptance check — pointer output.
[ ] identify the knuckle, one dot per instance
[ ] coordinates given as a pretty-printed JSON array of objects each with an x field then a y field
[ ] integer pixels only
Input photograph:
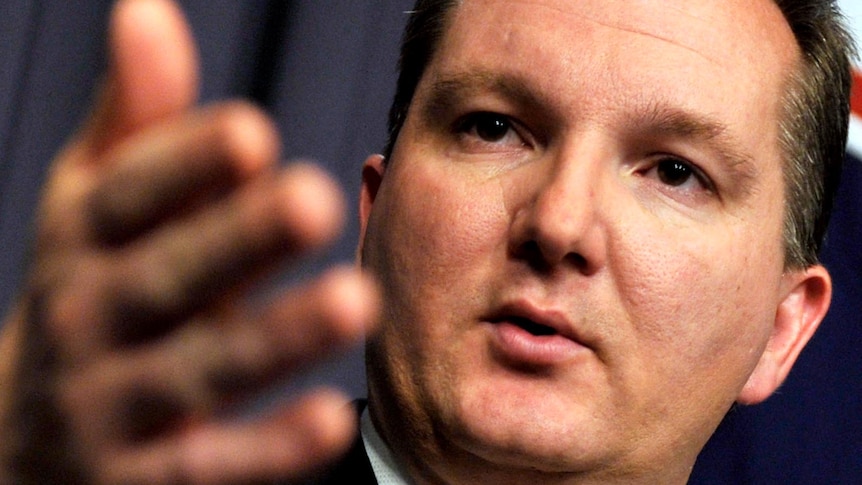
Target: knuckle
[
  {"x": 147, "y": 296},
  {"x": 346, "y": 302},
  {"x": 244, "y": 136},
  {"x": 69, "y": 310},
  {"x": 311, "y": 205}
]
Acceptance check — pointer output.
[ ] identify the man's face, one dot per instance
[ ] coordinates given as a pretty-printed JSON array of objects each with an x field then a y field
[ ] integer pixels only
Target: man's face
[{"x": 579, "y": 232}]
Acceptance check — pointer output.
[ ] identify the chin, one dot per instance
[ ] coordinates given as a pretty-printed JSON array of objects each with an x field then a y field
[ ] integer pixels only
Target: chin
[{"x": 529, "y": 435}]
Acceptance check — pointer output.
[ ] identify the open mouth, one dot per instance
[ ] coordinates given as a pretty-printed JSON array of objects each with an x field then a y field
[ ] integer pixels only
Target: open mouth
[
  {"x": 530, "y": 326},
  {"x": 524, "y": 343}
]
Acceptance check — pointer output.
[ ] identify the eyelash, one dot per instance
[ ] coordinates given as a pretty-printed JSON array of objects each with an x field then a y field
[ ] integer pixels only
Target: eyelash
[
  {"x": 470, "y": 125},
  {"x": 694, "y": 171}
]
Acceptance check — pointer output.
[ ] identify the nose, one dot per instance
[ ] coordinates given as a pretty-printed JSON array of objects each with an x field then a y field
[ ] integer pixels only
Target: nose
[{"x": 560, "y": 223}]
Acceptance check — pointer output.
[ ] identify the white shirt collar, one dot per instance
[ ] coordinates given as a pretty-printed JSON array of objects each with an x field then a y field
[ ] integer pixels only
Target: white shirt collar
[{"x": 386, "y": 469}]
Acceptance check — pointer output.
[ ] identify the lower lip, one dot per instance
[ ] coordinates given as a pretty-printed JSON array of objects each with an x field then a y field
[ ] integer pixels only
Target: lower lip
[{"x": 519, "y": 346}]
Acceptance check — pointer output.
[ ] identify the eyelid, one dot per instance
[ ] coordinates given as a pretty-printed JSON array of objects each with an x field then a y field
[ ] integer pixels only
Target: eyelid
[
  {"x": 465, "y": 122},
  {"x": 699, "y": 173}
]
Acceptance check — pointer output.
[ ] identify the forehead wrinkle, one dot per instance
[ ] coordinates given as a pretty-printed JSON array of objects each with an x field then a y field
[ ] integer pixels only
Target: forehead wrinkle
[
  {"x": 623, "y": 23},
  {"x": 654, "y": 35}
]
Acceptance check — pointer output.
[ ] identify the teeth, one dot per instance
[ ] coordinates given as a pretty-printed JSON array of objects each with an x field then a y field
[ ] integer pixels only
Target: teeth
[{"x": 533, "y": 327}]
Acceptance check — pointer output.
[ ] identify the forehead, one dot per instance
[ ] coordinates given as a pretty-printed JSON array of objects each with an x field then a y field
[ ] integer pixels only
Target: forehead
[
  {"x": 729, "y": 58},
  {"x": 742, "y": 46},
  {"x": 745, "y": 29},
  {"x": 731, "y": 34}
]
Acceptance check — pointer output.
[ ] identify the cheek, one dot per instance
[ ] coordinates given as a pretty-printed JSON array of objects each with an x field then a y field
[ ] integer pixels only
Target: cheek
[
  {"x": 699, "y": 299},
  {"x": 432, "y": 236},
  {"x": 431, "y": 243},
  {"x": 438, "y": 221}
]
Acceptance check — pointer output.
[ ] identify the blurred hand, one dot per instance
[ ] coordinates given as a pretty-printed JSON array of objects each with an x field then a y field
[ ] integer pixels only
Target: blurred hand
[{"x": 133, "y": 330}]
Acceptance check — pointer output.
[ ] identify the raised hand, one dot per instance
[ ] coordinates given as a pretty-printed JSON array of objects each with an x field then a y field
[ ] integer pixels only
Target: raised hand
[{"x": 133, "y": 329}]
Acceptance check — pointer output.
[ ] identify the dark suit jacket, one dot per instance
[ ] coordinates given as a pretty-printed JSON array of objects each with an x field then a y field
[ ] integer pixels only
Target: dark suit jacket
[{"x": 352, "y": 468}]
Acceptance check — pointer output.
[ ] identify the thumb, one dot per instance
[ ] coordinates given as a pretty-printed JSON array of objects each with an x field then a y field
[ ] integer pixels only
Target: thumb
[{"x": 152, "y": 72}]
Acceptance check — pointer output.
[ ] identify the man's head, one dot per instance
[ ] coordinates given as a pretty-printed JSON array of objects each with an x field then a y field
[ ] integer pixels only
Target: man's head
[
  {"x": 814, "y": 125},
  {"x": 580, "y": 236}
]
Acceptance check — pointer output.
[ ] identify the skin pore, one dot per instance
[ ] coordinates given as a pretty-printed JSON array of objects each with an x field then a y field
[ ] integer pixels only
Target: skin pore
[{"x": 578, "y": 239}]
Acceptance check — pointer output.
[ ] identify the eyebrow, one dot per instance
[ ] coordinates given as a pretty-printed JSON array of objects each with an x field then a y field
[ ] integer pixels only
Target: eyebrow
[
  {"x": 667, "y": 122},
  {"x": 446, "y": 93},
  {"x": 657, "y": 119}
]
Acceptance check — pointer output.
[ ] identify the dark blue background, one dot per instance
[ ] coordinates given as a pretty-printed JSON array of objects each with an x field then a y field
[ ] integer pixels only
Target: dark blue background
[{"x": 325, "y": 70}]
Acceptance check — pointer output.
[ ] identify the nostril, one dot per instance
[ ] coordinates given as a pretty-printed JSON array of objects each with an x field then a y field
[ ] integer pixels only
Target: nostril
[
  {"x": 577, "y": 260},
  {"x": 531, "y": 253}
]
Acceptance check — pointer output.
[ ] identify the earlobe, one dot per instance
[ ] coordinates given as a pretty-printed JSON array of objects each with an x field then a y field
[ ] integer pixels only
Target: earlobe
[
  {"x": 804, "y": 304},
  {"x": 372, "y": 176}
]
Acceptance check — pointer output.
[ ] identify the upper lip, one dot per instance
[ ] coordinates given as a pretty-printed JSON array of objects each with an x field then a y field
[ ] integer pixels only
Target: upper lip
[{"x": 549, "y": 316}]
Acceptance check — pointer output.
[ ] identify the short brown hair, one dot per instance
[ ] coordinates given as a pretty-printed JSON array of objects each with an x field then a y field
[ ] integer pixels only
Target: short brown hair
[{"x": 814, "y": 124}]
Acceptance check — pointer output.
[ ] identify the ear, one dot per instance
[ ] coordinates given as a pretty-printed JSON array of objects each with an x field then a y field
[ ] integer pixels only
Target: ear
[
  {"x": 806, "y": 297},
  {"x": 372, "y": 176}
]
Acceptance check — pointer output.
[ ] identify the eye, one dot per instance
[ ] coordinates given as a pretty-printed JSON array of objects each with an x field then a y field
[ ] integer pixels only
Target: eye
[
  {"x": 678, "y": 173},
  {"x": 488, "y": 126},
  {"x": 486, "y": 130},
  {"x": 674, "y": 172}
]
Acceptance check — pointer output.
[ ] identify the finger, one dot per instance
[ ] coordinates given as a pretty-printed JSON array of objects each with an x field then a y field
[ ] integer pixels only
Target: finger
[
  {"x": 136, "y": 395},
  {"x": 186, "y": 267},
  {"x": 152, "y": 75},
  {"x": 304, "y": 326},
  {"x": 306, "y": 323},
  {"x": 142, "y": 291},
  {"x": 170, "y": 170},
  {"x": 285, "y": 445},
  {"x": 288, "y": 445},
  {"x": 152, "y": 71}
]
